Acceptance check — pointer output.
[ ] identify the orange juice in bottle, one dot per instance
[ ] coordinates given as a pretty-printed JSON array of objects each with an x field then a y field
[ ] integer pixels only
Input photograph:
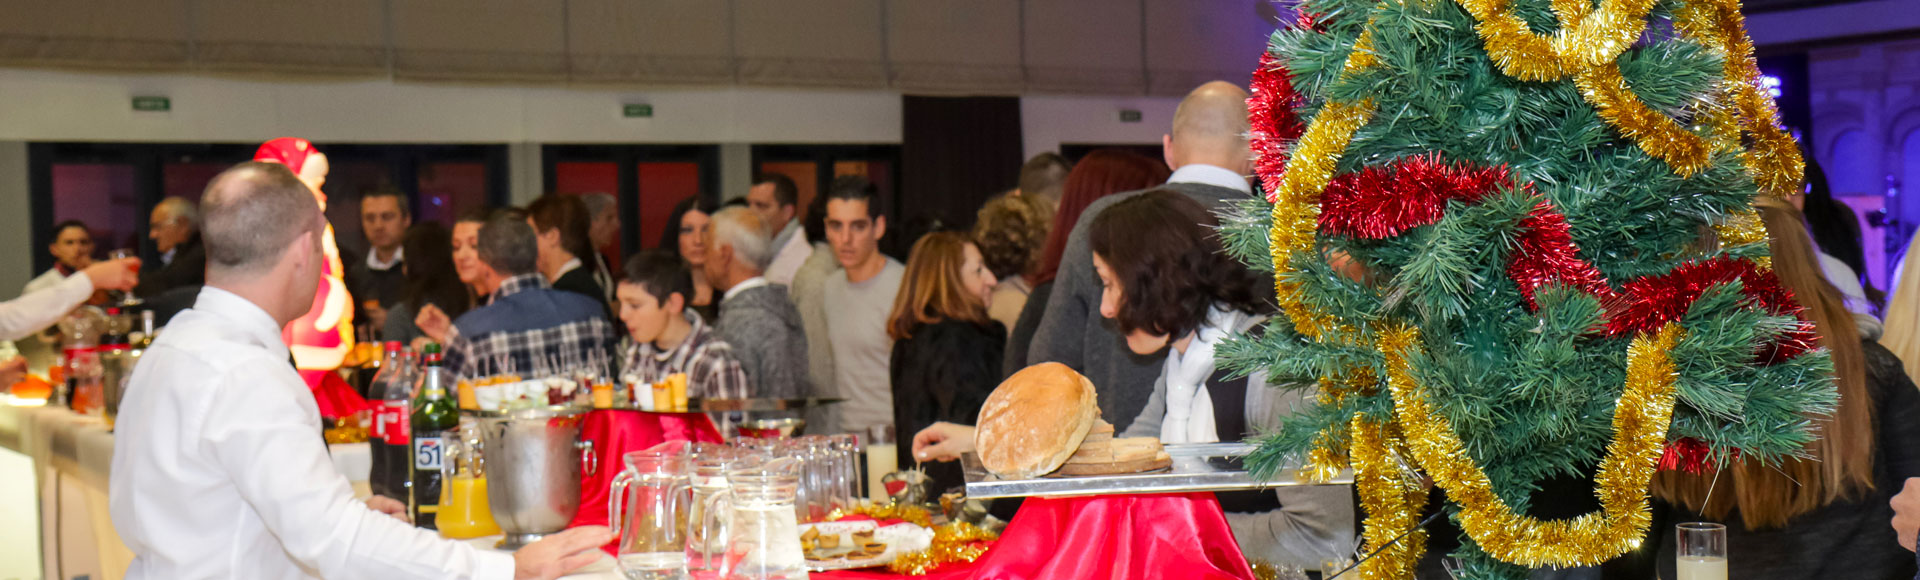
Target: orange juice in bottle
[{"x": 464, "y": 512}]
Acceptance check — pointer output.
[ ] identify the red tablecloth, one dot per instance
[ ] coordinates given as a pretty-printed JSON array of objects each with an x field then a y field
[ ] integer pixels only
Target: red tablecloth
[
  {"x": 614, "y": 433},
  {"x": 1181, "y": 535}
]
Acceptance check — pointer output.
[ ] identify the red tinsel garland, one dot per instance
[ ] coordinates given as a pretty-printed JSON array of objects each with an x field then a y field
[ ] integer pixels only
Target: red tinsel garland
[
  {"x": 1274, "y": 126},
  {"x": 1690, "y": 455},
  {"x": 1413, "y": 191},
  {"x": 1646, "y": 304},
  {"x": 1546, "y": 255}
]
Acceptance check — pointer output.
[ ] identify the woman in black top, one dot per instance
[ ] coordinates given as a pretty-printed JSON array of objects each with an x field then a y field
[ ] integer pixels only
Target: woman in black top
[
  {"x": 560, "y": 223},
  {"x": 946, "y": 350},
  {"x": 1824, "y": 516},
  {"x": 431, "y": 279},
  {"x": 686, "y": 227}
]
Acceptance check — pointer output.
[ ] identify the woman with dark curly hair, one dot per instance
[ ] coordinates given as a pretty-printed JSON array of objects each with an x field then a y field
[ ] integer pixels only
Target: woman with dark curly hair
[{"x": 1010, "y": 232}]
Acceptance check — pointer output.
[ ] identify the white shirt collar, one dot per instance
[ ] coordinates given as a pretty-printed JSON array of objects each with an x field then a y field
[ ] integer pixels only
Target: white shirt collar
[
  {"x": 1210, "y": 175},
  {"x": 246, "y": 316},
  {"x": 567, "y": 267},
  {"x": 373, "y": 259},
  {"x": 166, "y": 258},
  {"x": 748, "y": 284}
]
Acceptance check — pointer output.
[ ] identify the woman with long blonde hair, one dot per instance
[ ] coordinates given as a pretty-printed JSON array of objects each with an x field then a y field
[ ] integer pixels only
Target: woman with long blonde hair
[
  {"x": 1823, "y": 515},
  {"x": 1903, "y": 316},
  {"x": 946, "y": 349}
]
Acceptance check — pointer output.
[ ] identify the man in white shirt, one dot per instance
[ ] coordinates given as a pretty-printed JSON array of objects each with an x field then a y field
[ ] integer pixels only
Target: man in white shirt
[
  {"x": 218, "y": 472},
  {"x": 777, "y": 200},
  {"x": 859, "y": 297}
]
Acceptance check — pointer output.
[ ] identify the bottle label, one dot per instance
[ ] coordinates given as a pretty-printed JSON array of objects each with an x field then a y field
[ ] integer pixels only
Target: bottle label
[
  {"x": 427, "y": 453},
  {"x": 395, "y": 422}
]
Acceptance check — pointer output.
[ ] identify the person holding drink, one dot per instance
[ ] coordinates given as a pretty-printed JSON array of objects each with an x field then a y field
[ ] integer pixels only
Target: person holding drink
[{"x": 217, "y": 472}]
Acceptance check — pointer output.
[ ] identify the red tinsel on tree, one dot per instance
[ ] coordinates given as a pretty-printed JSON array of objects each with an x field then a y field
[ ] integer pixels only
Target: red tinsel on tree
[
  {"x": 1274, "y": 126},
  {"x": 1646, "y": 304},
  {"x": 1689, "y": 455},
  {"x": 1414, "y": 191},
  {"x": 1547, "y": 255}
]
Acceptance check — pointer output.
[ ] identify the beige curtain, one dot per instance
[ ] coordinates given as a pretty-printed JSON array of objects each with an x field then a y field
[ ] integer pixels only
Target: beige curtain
[
  {"x": 946, "y": 46},
  {"x": 649, "y": 41},
  {"x": 112, "y": 34},
  {"x": 332, "y": 37},
  {"x": 483, "y": 40},
  {"x": 1162, "y": 47}
]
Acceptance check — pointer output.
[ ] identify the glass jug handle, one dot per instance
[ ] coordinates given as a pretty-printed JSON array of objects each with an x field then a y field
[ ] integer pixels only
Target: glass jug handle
[
  {"x": 725, "y": 535},
  {"x": 590, "y": 463},
  {"x": 616, "y": 502}
]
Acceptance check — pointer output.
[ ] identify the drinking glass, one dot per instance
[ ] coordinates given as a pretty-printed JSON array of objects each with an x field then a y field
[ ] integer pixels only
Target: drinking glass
[
  {"x": 1703, "y": 551},
  {"x": 126, "y": 298},
  {"x": 882, "y": 459}
]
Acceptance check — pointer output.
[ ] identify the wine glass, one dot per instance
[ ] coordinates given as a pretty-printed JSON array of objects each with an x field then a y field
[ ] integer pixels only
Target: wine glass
[
  {"x": 127, "y": 299},
  {"x": 1703, "y": 551}
]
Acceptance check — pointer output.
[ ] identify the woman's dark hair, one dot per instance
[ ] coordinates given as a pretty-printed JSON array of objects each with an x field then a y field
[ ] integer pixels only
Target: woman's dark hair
[
  {"x": 670, "y": 239},
  {"x": 568, "y": 214},
  {"x": 1836, "y": 229},
  {"x": 1163, "y": 250},
  {"x": 661, "y": 274},
  {"x": 477, "y": 215},
  {"x": 431, "y": 278},
  {"x": 1102, "y": 173}
]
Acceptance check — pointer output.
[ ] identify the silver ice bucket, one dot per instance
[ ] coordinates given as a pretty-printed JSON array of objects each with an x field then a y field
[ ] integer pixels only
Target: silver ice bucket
[{"x": 534, "y": 461}]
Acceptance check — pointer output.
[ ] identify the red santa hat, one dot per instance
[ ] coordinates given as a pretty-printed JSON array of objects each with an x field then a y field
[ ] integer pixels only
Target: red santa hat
[{"x": 289, "y": 151}]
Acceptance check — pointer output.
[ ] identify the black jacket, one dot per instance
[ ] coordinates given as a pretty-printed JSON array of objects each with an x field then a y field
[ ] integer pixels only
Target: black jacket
[
  {"x": 189, "y": 268},
  {"x": 943, "y": 372},
  {"x": 580, "y": 281}
]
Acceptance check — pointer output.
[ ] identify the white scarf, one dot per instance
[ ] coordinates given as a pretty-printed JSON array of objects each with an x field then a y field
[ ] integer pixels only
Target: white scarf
[{"x": 1189, "y": 406}]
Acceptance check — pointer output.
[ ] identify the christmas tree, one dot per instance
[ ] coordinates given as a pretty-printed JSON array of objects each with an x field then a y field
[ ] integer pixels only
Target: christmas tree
[{"x": 1512, "y": 242}]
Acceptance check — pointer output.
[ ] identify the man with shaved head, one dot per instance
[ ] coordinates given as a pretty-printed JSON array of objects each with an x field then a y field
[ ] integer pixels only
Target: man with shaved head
[
  {"x": 1208, "y": 152},
  {"x": 219, "y": 471}
]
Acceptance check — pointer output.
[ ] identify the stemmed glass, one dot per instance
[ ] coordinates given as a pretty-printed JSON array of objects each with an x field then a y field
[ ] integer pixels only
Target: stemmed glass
[{"x": 126, "y": 299}]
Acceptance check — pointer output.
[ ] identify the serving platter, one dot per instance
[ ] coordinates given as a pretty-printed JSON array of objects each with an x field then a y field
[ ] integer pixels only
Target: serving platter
[{"x": 1196, "y": 467}]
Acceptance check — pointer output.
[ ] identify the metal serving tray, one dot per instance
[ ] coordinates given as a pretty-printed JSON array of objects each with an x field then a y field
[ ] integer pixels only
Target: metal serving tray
[
  {"x": 1196, "y": 467},
  {"x": 699, "y": 405}
]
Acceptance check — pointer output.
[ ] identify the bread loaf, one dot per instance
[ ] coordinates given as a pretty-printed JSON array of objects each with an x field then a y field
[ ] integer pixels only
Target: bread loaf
[{"x": 1034, "y": 421}]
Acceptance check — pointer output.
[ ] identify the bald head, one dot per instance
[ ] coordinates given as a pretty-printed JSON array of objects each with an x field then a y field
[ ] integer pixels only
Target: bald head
[
  {"x": 252, "y": 212},
  {"x": 1210, "y": 127}
]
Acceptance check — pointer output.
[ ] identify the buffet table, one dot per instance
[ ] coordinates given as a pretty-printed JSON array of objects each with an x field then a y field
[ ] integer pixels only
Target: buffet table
[{"x": 71, "y": 455}]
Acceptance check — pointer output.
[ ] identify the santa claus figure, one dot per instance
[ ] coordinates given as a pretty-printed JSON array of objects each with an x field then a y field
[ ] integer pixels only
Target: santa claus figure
[{"x": 321, "y": 339}]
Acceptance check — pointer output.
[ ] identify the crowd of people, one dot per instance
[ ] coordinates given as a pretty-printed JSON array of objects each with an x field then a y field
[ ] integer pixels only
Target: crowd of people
[{"x": 1110, "y": 265}]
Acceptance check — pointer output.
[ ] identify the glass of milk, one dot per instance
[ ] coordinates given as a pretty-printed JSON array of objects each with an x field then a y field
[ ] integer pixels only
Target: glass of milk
[{"x": 1703, "y": 551}]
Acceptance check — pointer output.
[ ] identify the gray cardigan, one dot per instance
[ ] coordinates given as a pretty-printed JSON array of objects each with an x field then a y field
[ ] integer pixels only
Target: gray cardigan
[
  {"x": 1314, "y": 523},
  {"x": 766, "y": 335}
]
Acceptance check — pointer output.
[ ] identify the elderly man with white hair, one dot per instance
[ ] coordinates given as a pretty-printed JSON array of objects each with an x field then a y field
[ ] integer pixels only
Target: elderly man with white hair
[{"x": 756, "y": 317}]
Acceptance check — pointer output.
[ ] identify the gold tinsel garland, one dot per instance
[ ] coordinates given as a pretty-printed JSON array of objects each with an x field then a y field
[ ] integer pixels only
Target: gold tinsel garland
[
  {"x": 1587, "y": 38},
  {"x": 953, "y": 542},
  {"x": 1640, "y": 428},
  {"x": 1392, "y": 502}
]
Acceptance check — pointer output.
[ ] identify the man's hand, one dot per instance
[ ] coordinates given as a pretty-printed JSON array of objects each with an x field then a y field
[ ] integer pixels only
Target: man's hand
[
  {"x": 389, "y": 506},
  {"x": 1906, "y": 513},
  {"x": 555, "y": 555},
  {"x": 433, "y": 322},
  {"x": 942, "y": 441},
  {"x": 12, "y": 371},
  {"x": 122, "y": 274}
]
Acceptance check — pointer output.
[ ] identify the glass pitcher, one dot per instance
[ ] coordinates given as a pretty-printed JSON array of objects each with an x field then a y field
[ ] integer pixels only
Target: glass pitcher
[
  {"x": 710, "y": 464},
  {"x": 756, "y": 515},
  {"x": 464, "y": 511},
  {"x": 649, "y": 504}
]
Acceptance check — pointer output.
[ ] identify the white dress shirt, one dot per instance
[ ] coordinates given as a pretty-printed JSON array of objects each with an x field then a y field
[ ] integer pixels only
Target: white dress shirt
[
  {"x": 219, "y": 470},
  {"x": 1210, "y": 175},
  {"x": 37, "y": 310}
]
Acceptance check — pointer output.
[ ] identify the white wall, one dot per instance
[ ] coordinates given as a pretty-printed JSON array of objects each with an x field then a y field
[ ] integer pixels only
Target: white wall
[{"x": 1047, "y": 121}]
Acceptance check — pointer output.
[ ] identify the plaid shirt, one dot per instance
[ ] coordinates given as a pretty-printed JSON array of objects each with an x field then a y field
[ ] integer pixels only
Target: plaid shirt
[
  {"x": 530, "y": 330},
  {"x": 708, "y": 361}
]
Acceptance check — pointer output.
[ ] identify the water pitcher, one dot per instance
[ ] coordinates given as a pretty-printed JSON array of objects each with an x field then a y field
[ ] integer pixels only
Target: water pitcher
[
  {"x": 649, "y": 505},
  {"x": 756, "y": 515}
]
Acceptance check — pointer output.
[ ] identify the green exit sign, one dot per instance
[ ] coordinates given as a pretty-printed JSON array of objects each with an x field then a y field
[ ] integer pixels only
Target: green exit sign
[
  {"x": 1129, "y": 116},
  {"x": 157, "y": 104},
  {"x": 637, "y": 111}
]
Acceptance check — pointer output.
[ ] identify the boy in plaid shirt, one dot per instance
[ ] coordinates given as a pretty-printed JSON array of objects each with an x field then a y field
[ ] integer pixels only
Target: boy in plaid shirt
[{"x": 667, "y": 337}]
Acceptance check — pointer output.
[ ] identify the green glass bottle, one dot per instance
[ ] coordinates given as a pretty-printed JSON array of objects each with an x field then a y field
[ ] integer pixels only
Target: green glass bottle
[{"x": 431, "y": 420}]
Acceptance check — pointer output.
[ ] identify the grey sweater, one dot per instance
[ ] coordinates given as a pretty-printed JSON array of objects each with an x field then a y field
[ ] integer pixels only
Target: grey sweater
[
  {"x": 1314, "y": 523},
  {"x": 1074, "y": 334},
  {"x": 768, "y": 339}
]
